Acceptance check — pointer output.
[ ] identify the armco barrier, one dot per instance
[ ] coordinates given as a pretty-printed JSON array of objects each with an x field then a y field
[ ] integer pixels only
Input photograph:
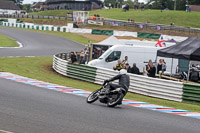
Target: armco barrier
[
  {"x": 160, "y": 88},
  {"x": 191, "y": 93}
]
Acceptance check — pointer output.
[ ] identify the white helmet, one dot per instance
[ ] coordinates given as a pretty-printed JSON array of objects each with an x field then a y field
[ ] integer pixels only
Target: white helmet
[{"x": 123, "y": 71}]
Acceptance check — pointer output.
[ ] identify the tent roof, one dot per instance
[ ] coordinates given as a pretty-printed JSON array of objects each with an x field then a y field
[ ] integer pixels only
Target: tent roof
[
  {"x": 110, "y": 41},
  {"x": 188, "y": 49}
]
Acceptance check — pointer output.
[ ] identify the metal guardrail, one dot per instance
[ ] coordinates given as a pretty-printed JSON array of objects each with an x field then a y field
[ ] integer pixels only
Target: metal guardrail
[
  {"x": 149, "y": 26},
  {"x": 160, "y": 88},
  {"x": 35, "y": 17}
]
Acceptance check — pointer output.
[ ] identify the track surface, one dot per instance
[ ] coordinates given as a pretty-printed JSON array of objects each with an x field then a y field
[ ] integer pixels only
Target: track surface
[
  {"x": 30, "y": 109},
  {"x": 37, "y": 44}
]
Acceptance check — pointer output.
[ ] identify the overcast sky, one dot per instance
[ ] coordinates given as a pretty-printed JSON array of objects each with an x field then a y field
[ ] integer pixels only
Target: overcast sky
[{"x": 31, "y": 1}]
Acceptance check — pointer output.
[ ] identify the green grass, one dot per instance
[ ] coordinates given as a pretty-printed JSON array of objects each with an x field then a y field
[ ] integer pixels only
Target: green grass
[
  {"x": 180, "y": 18},
  {"x": 7, "y": 42},
  {"x": 40, "y": 68}
]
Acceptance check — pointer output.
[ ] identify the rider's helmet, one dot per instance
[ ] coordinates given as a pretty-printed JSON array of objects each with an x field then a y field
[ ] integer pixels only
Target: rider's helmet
[{"x": 123, "y": 71}]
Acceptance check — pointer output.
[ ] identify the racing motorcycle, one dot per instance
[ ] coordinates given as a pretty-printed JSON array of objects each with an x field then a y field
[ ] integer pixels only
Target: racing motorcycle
[{"x": 111, "y": 98}]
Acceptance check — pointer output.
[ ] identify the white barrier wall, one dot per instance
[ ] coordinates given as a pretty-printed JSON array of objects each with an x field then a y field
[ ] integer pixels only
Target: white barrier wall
[{"x": 154, "y": 87}]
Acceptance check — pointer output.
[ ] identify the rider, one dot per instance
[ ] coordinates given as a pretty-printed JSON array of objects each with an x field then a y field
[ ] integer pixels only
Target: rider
[{"x": 124, "y": 82}]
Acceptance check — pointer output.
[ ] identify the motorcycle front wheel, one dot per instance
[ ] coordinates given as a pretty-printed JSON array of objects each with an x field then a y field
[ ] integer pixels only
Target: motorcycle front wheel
[
  {"x": 93, "y": 97},
  {"x": 115, "y": 100}
]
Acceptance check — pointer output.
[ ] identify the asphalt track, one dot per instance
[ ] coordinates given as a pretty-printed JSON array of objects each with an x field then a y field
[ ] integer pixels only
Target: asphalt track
[
  {"x": 30, "y": 109},
  {"x": 37, "y": 44}
]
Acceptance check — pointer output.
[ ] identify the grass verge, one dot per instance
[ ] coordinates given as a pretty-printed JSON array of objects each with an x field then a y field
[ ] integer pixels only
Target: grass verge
[
  {"x": 40, "y": 68},
  {"x": 7, "y": 42},
  {"x": 180, "y": 18}
]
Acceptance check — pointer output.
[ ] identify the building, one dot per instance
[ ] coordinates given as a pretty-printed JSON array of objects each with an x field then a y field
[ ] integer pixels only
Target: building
[
  {"x": 194, "y": 7},
  {"x": 74, "y": 4},
  {"x": 8, "y": 7}
]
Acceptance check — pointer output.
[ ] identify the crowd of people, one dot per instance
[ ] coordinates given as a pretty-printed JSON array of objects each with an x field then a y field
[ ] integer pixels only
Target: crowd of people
[
  {"x": 80, "y": 57},
  {"x": 151, "y": 68},
  {"x": 125, "y": 65}
]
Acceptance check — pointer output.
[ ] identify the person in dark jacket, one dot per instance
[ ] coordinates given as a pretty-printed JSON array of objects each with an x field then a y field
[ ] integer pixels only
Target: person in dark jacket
[
  {"x": 151, "y": 69},
  {"x": 73, "y": 57},
  {"x": 124, "y": 82},
  {"x": 128, "y": 68},
  {"x": 135, "y": 69}
]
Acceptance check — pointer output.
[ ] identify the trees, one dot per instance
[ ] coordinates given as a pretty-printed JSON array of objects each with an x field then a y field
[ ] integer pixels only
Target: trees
[{"x": 18, "y": 2}]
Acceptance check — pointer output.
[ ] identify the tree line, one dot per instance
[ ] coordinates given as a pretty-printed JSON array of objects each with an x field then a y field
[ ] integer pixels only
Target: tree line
[{"x": 155, "y": 4}]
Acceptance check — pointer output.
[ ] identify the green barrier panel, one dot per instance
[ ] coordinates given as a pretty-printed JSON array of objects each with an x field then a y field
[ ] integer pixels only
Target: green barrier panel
[
  {"x": 8, "y": 24},
  {"x": 52, "y": 28},
  {"x": 24, "y": 26},
  {"x": 58, "y": 28},
  {"x": 1, "y": 23},
  {"x": 191, "y": 93},
  {"x": 20, "y": 25},
  {"x": 37, "y": 27},
  {"x": 102, "y": 32},
  {"x": 4, "y": 24},
  {"x": 13, "y": 24},
  {"x": 32, "y": 26},
  {"x": 81, "y": 72},
  {"x": 28, "y": 26},
  {"x": 42, "y": 27},
  {"x": 16, "y": 25},
  {"x": 47, "y": 28},
  {"x": 64, "y": 29},
  {"x": 148, "y": 35}
]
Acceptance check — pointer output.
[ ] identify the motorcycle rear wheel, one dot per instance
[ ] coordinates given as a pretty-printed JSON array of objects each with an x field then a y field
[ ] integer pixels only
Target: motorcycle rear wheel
[
  {"x": 92, "y": 97},
  {"x": 116, "y": 101}
]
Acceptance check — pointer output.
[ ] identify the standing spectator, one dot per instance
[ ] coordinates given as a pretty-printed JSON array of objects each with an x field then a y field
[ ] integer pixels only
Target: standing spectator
[
  {"x": 128, "y": 68},
  {"x": 109, "y": 5},
  {"x": 125, "y": 61},
  {"x": 82, "y": 57},
  {"x": 164, "y": 66},
  {"x": 73, "y": 57},
  {"x": 119, "y": 66},
  {"x": 151, "y": 69},
  {"x": 159, "y": 66},
  {"x": 135, "y": 69}
]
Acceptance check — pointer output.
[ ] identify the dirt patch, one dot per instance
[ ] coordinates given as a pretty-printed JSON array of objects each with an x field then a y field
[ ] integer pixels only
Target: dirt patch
[
  {"x": 46, "y": 21},
  {"x": 97, "y": 38}
]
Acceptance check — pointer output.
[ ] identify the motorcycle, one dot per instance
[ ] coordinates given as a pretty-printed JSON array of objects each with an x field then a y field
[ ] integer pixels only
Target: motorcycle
[{"x": 111, "y": 98}]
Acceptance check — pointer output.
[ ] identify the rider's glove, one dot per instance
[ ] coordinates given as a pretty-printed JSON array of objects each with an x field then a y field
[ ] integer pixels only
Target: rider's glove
[{"x": 105, "y": 81}]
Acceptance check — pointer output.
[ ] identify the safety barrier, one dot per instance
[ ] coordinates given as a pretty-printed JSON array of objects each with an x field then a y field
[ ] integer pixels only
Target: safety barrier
[
  {"x": 160, "y": 88},
  {"x": 191, "y": 93},
  {"x": 70, "y": 28}
]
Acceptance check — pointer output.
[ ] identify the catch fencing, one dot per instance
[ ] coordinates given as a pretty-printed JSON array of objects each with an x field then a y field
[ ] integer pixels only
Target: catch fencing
[
  {"x": 159, "y": 88},
  {"x": 34, "y": 17}
]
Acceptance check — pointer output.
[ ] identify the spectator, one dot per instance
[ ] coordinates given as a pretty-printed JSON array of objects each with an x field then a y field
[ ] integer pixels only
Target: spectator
[
  {"x": 128, "y": 68},
  {"x": 119, "y": 66},
  {"x": 164, "y": 66},
  {"x": 159, "y": 66},
  {"x": 151, "y": 69},
  {"x": 82, "y": 57},
  {"x": 109, "y": 5},
  {"x": 125, "y": 61},
  {"x": 135, "y": 69},
  {"x": 73, "y": 57}
]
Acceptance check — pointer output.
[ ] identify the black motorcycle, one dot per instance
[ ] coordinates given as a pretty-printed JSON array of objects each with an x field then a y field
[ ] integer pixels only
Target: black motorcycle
[{"x": 111, "y": 98}]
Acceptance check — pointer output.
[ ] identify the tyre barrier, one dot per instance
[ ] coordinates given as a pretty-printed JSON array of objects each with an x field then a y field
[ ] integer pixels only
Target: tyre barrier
[{"x": 154, "y": 87}]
